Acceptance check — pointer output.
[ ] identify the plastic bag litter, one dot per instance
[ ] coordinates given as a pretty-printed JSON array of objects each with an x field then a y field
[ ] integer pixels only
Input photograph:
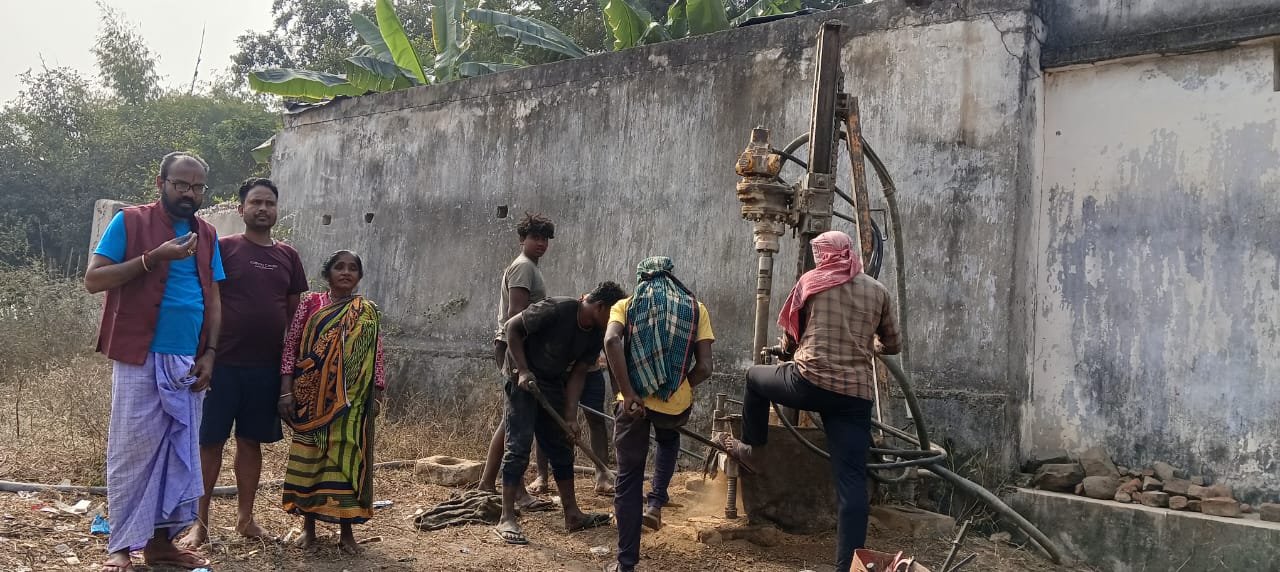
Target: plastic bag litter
[{"x": 99, "y": 526}]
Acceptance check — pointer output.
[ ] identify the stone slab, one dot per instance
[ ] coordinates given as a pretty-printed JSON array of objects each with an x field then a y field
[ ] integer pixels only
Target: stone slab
[
  {"x": 913, "y": 522},
  {"x": 447, "y": 471},
  {"x": 1115, "y": 537}
]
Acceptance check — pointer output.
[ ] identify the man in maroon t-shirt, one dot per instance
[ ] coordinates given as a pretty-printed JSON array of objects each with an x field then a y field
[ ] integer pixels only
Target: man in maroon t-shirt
[{"x": 264, "y": 279}]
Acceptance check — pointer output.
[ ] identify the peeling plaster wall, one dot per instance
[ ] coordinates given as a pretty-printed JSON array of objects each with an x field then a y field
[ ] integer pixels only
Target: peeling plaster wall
[
  {"x": 632, "y": 153},
  {"x": 1157, "y": 309}
]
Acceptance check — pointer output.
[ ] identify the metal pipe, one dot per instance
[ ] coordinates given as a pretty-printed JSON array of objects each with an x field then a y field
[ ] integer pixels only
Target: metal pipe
[{"x": 764, "y": 290}]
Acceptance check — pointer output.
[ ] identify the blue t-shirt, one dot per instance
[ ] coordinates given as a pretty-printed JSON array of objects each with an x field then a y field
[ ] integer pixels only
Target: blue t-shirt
[{"x": 182, "y": 308}]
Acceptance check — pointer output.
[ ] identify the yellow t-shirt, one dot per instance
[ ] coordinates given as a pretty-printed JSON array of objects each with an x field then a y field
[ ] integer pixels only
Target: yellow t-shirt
[{"x": 682, "y": 398}]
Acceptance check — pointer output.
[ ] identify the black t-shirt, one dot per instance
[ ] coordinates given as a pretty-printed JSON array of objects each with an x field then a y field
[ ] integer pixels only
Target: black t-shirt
[{"x": 554, "y": 340}]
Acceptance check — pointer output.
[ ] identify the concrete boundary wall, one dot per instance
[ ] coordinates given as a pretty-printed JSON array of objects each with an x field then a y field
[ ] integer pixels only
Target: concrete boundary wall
[{"x": 632, "y": 153}]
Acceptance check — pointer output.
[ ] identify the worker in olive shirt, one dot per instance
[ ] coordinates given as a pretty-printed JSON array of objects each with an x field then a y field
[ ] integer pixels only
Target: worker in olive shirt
[{"x": 659, "y": 348}]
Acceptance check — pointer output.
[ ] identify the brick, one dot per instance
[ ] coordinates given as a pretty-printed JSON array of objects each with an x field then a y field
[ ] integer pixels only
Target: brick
[
  {"x": 1177, "y": 487},
  {"x": 1178, "y": 503},
  {"x": 1164, "y": 471},
  {"x": 1220, "y": 506},
  {"x": 1218, "y": 490},
  {"x": 1269, "y": 511},
  {"x": 1100, "y": 487},
  {"x": 1152, "y": 484},
  {"x": 1158, "y": 499}
]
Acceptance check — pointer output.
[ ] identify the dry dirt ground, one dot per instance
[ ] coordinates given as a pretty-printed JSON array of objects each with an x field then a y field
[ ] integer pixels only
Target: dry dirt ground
[{"x": 54, "y": 431}]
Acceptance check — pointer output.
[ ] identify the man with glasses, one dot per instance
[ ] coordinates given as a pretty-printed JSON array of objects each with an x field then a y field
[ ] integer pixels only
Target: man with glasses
[{"x": 160, "y": 267}]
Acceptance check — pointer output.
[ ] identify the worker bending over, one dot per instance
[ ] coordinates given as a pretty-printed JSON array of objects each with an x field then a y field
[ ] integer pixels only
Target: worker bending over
[
  {"x": 551, "y": 345},
  {"x": 830, "y": 321}
]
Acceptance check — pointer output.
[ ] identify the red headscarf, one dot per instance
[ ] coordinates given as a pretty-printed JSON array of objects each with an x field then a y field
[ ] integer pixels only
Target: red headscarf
[{"x": 837, "y": 264}]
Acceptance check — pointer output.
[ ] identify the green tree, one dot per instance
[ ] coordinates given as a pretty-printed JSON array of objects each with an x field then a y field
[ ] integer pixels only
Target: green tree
[
  {"x": 66, "y": 142},
  {"x": 125, "y": 63}
]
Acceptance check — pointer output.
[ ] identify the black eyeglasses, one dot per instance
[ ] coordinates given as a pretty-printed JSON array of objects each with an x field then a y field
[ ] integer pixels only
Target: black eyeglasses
[{"x": 183, "y": 186}]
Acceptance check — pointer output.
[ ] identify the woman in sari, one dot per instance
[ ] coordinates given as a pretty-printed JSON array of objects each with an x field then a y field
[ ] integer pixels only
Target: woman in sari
[{"x": 331, "y": 383}]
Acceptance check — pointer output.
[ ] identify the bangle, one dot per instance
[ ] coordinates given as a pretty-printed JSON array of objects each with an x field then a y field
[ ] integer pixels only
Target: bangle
[
  {"x": 286, "y": 395},
  {"x": 144, "y": 261}
]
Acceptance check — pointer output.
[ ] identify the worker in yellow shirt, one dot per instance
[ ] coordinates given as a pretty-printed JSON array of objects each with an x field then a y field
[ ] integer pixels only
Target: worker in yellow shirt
[{"x": 658, "y": 344}]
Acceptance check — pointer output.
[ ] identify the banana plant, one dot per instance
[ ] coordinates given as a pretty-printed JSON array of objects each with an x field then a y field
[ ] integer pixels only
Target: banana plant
[
  {"x": 385, "y": 62},
  {"x": 632, "y": 26}
]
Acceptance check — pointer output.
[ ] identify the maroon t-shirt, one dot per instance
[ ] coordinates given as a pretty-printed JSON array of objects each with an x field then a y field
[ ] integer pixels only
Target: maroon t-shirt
[{"x": 254, "y": 300}]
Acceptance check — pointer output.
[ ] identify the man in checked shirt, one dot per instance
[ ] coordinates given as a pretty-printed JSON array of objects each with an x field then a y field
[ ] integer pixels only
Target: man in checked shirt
[{"x": 831, "y": 321}]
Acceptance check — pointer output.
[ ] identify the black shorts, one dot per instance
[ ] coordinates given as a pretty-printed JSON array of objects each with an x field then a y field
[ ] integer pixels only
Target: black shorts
[{"x": 245, "y": 396}]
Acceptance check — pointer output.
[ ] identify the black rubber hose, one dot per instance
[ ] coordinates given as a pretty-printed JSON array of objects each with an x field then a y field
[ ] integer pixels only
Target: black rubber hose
[{"x": 890, "y": 190}]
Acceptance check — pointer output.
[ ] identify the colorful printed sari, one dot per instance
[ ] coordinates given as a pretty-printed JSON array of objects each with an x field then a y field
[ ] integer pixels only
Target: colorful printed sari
[{"x": 329, "y": 475}]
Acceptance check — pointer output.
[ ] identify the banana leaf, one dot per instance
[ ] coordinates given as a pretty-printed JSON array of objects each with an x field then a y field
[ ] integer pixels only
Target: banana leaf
[
  {"x": 397, "y": 40},
  {"x": 766, "y": 8},
  {"x": 446, "y": 29},
  {"x": 373, "y": 74},
  {"x": 301, "y": 84},
  {"x": 529, "y": 31},
  {"x": 372, "y": 36},
  {"x": 473, "y": 69},
  {"x": 627, "y": 22},
  {"x": 262, "y": 153},
  {"x": 678, "y": 19},
  {"x": 706, "y": 16}
]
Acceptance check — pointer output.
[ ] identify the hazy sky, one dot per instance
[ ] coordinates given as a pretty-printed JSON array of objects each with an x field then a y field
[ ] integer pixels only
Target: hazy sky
[{"x": 62, "y": 32}]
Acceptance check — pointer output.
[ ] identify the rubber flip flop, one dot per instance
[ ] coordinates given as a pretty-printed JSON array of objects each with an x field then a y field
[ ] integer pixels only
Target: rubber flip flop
[
  {"x": 538, "y": 505},
  {"x": 593, "y": 520},
  {"x": 510, "y": 536}
]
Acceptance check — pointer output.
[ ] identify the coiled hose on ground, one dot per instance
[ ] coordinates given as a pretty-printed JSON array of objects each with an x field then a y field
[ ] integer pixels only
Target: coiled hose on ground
[{"x": 926, "y": 455}]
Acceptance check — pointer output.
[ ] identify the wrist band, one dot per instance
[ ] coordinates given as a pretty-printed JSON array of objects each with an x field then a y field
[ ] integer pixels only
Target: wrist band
[
  {"x": 144, "y": 261},
  {"x": 286, "y": 395}
]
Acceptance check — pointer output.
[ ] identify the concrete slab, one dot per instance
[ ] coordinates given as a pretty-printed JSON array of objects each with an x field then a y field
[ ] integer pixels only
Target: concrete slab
[{"x": 1115, "y": 537}]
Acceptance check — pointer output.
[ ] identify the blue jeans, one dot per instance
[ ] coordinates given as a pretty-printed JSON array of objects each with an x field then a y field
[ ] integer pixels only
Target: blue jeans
[{"x": 847, "y": 422}]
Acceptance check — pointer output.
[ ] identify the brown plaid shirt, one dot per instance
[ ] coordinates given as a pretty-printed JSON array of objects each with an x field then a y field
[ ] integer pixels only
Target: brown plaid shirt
[{"x": 836, "y": 350}]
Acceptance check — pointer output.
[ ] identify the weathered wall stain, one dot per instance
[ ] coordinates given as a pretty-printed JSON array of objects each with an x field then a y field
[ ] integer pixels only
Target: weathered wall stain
[{"x": 1159, "y": 283}]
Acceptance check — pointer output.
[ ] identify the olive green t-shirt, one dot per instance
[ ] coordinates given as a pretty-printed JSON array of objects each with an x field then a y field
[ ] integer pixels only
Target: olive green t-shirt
[{"x": 522, "y": 273}]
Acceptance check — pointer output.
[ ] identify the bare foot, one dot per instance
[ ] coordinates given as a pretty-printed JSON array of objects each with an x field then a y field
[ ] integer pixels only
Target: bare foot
[
  {"x": 538, "y": 486},
  {"x": 347, "y": 542},
  {"x": 604, "y": 482},
  {"x": 195, "y": 538},
  {"x": 118, "y": 562},
  {"x": 307, "y": 540},
  {"x": 252, "y": 530},
  {"x": 166, "y": 554}
]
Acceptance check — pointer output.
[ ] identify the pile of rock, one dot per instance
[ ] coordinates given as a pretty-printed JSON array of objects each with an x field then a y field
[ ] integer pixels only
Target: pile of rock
[{"x": 1094, "y": 475}]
